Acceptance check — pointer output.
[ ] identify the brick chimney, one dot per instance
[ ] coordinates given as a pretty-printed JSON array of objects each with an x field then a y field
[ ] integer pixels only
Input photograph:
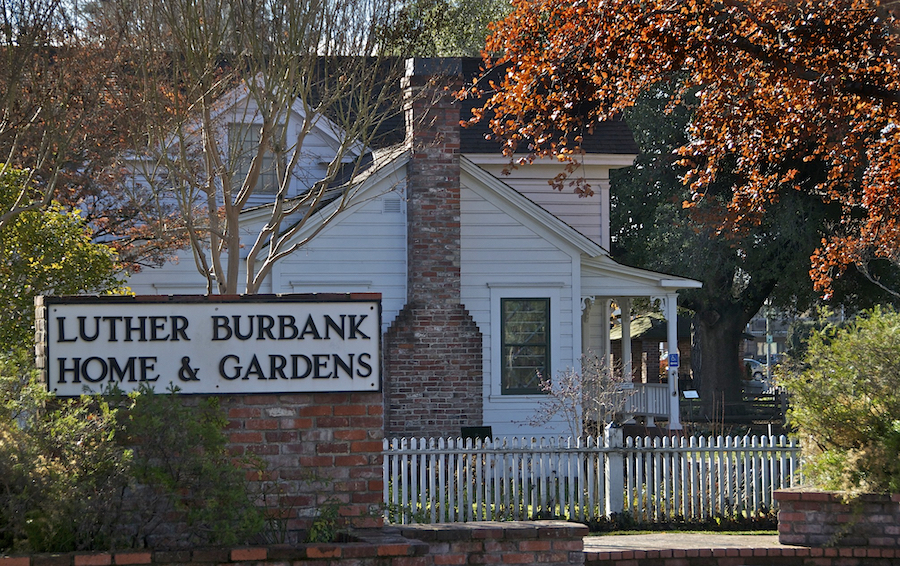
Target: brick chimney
[{"x": 433, "y": 350}]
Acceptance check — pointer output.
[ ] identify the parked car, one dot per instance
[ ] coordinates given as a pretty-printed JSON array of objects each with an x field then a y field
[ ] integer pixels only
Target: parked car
[
  {"x": 755, "y": 369},
  {"x": 757, "y": 381}
]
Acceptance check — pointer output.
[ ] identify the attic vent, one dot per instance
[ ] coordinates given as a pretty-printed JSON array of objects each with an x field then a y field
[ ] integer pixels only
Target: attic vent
[{"x": 391, "y": 205}]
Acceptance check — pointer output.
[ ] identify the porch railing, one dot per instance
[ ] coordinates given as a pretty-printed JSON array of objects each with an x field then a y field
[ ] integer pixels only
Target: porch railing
[{"x": 648, "y": 400}]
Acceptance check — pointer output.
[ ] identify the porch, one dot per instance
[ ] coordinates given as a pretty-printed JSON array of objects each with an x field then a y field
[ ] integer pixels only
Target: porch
[{"x": 607, "y": 286}]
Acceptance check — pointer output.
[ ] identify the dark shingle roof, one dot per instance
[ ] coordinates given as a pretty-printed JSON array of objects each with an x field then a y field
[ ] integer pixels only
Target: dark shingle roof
[{"x": 612, "y": 137}]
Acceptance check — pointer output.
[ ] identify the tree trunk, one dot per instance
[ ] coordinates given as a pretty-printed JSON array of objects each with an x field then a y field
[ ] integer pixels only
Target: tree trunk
[{"x": 718, "y": 334}]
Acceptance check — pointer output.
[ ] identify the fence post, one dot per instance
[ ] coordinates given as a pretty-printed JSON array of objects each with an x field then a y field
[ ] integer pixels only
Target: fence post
[{"x": 614, "y": 470}]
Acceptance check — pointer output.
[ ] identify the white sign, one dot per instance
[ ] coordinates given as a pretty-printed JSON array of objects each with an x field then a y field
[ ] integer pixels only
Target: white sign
[{"x": 257, "y": 344}]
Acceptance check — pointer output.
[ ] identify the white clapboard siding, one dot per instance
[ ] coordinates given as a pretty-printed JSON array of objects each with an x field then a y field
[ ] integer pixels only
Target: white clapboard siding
[
  {"x": 500, "y": 249},
  {"x": 429, "y": 480},
  {"x": 583, "y": 214},
  {"x": 362, "y": 251}
]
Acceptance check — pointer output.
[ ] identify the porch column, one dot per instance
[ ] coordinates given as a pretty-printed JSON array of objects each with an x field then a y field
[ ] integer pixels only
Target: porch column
[
  {"x": 587, "y": 329},
  {"x": 671, "y": 310},
  {"x": 605, "y": 313},
  {"x": 625, "y": 310},
  {"x": 597, "y": 335},
  {"x": 596, "y": 312}
]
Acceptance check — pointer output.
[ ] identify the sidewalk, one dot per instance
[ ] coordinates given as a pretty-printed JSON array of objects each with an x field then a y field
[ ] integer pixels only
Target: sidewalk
[{"x": 678, "y": 541}]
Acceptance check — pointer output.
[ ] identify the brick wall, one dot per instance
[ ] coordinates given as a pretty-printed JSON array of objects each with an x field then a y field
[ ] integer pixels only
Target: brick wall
[
  {"x": 650, "y": 361},
  {"x": 821, "y": 518},
  {"x": 433, "y": 349},
  {"x": 323, "y": 447},
  {"x": 432, "y": 372},
  {"x": 550, "y": 543}
]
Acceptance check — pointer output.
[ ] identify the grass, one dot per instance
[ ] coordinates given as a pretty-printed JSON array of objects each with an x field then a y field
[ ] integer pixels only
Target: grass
[
  {"x": 681, "y": 531},
  {"x": 624, "y": 523}
]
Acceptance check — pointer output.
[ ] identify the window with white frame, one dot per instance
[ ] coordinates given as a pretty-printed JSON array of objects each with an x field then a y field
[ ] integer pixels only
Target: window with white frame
[
  {"x": 525, "y": 344},
  {"x": 243, "y": 143}
]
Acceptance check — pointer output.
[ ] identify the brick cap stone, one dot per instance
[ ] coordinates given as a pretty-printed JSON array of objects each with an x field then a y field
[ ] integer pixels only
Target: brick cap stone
[
  {"x": 815, "y": 494},
  {"x": 495, "y": 529}
]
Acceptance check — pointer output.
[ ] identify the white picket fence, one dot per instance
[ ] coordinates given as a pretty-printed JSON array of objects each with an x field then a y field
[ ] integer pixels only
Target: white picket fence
[{"x": 433, "y": 480}]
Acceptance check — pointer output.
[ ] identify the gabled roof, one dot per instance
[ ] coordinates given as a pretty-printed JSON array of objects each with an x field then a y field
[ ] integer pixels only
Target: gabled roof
[
  {"x": 611, "y": 137},
  {"x": 391, "y": 161},
  {"x": 624, "y": 280},
  {"x": 601, "y": 275},
  {"x": 385, "y": 162},
  {"x": 236, "y": 100},
  {"x": 604, "y": 277},
  {"x": 653, "y": 326},
  {"x": 529, "y": 213}
]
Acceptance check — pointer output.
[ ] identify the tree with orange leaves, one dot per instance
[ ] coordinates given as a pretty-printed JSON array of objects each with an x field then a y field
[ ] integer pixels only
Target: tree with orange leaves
[
  {"x": 793, "y": 121},
  {"x": 740, "y": 270},
  {"x": 775, "y": 83}
]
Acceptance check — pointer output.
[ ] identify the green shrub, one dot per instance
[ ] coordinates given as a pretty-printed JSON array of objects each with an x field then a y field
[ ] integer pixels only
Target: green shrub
[
  {"x": 845, "y": 404},
  {"x": 324, "y": 528},
  {"x": 180, "y": 459},
  {"x": 61, "y": 474},
  {"x": 105, "y": 472}
]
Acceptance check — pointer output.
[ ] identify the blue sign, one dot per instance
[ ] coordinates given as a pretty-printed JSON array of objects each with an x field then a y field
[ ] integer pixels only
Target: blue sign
[{"x": 673, "y": 360}]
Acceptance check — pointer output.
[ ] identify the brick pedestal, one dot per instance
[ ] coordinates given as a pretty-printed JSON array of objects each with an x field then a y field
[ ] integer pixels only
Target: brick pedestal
[
  {"x": 322, "y": 448},
  {"x": 824, "y": 518}
]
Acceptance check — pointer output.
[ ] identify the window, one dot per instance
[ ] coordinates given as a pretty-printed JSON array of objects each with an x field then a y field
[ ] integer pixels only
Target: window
[
  {"x": 244, "y": 144},
  {"x": 525, "y": 348}
]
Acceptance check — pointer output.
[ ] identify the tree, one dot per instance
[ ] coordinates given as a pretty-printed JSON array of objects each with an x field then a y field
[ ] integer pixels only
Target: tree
[
  {"x": 739, "y": 271},
  {"x": 586, "y": 401},
  {"x": 776, "y": 84},
  {"x": 44, "y": 251},
  {"x": 221, "y": 79},
  {"x": 443, "y": 28},
  {"x": 67, "y": 108},
  {"x": 41, "y": 101}
]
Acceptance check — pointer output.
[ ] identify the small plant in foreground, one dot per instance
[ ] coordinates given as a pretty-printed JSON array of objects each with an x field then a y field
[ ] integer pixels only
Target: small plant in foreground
[
  {"x": 324, "y": 527},
  {"x": 586, "y": 400}
]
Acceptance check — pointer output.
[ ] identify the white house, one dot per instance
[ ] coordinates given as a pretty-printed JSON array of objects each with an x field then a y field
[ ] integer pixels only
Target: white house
[{"x": 485, "y": 278}]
